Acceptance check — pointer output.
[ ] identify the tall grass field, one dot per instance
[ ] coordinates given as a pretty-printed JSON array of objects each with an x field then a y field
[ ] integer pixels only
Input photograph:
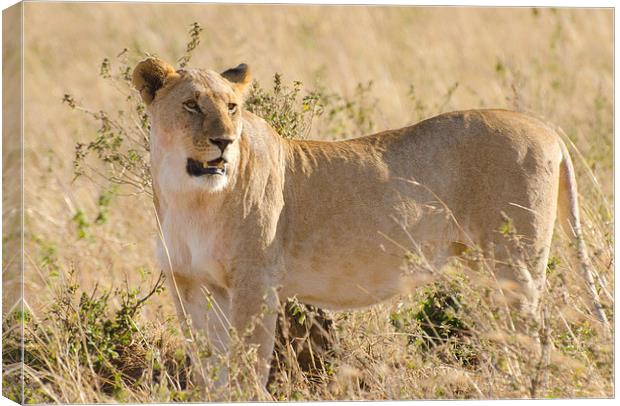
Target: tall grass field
[{"x": 96, "y": 322}]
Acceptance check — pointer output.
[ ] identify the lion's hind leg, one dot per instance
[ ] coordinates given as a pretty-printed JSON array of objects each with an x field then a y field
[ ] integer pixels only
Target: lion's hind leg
[{"x": 519, "y": 255}]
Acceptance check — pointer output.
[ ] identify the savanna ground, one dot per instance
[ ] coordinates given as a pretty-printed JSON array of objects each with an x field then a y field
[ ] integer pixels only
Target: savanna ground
[{"x": 89, "y": 263}]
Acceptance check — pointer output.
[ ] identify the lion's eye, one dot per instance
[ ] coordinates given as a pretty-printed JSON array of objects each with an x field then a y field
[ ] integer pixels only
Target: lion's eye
[
  {"x": 191, "y": 106},
  {"x": 232, "y": 108}
]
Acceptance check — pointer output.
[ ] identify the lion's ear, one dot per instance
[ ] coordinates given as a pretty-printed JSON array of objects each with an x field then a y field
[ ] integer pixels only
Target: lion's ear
[
  {"x": 150, "y": 75},
  {"x": 238, "y": 76}
]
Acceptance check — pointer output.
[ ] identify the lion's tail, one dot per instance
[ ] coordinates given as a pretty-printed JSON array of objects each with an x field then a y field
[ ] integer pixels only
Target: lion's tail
[{"x": 568, "y": 216}]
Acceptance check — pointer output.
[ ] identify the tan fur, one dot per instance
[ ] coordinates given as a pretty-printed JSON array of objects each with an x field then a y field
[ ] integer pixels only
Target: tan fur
[{"x": 329, "y": 222}]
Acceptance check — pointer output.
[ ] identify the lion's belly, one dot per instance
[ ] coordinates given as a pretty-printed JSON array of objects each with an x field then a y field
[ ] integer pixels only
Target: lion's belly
[
  {"x": 343, "y": 285},
  {"x": 337, "y": 278},
  {"x": 351, "y": 253}
]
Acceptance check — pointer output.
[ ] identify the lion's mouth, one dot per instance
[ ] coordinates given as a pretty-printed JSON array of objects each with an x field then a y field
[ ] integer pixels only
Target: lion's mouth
[{"x": 198, "y": 168}]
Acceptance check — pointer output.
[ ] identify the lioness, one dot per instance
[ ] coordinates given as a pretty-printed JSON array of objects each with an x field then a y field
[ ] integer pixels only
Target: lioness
[{"x": 243, "y": 211}]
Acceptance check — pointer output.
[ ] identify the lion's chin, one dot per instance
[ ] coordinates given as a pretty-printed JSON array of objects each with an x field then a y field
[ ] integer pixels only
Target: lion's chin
[{"x": 210, "y": 183}]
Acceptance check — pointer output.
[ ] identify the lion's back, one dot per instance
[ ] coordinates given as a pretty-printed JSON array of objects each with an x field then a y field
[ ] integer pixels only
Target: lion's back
[{"x": 479, "y": 163}]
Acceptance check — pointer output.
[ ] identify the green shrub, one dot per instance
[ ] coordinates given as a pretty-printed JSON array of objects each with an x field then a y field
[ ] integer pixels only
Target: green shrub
[
  {"x": 437, "y": 320},
  {"x": 94, "y": 334}
]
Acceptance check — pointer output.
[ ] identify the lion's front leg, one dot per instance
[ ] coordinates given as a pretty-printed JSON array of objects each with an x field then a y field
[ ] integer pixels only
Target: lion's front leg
[
  {"x": 204, "y": 312},
  {"x": 254, "y": 303}
]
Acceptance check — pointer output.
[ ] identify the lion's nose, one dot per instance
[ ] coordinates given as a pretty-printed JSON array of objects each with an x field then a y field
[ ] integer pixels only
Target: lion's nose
[{"x": 221, "y": 143}]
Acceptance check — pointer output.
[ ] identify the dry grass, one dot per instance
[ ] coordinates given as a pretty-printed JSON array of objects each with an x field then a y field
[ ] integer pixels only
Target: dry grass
[{"x": 554, "y": 63}]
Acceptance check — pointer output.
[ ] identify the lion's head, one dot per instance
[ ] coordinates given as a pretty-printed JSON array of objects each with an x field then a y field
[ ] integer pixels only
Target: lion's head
[{"x": 195, "y": 123}]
